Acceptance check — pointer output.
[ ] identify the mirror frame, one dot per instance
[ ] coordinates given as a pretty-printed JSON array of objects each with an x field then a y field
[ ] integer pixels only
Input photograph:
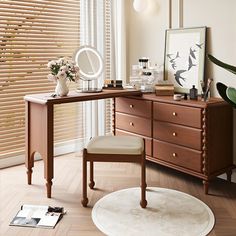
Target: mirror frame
[{"x": 84, "y": 75}]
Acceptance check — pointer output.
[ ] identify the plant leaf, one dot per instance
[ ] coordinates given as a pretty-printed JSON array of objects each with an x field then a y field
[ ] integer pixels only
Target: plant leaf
[
  {"x": 222, "y": 91},
  {"x": 228, "y": 67},
  {"x": 231, "y": 94}
]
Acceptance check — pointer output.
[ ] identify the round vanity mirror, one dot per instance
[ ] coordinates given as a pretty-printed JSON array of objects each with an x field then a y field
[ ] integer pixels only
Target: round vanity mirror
[{"x": 90, "y": 65}]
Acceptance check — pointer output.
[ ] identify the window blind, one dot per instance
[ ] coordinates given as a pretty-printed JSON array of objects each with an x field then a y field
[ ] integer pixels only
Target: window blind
[{"x": 32, "y": 32}]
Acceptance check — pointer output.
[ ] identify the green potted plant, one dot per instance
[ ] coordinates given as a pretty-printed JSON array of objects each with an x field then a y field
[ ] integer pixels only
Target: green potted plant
[{"x": 227, "y": 93}]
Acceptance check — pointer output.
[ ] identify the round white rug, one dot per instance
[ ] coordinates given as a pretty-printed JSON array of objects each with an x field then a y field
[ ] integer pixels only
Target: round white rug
[{"x": 168, "y": 213}]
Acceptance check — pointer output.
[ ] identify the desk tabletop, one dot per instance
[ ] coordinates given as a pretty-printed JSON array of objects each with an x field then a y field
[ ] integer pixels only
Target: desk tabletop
[{"x": 73, "y": 96}]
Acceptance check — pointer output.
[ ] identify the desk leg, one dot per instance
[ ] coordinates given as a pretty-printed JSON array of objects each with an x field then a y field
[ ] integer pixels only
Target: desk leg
[
  {"x": 29, "y": 157},
  {"x": 39, "y": 138}
]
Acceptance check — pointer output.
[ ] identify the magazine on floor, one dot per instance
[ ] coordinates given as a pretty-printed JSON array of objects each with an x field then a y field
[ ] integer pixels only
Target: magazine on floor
[{"x": 38, "y": 216}]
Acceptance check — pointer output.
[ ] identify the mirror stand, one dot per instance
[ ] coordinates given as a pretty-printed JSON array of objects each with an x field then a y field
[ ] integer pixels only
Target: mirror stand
[{"x": 89, "y": 89}]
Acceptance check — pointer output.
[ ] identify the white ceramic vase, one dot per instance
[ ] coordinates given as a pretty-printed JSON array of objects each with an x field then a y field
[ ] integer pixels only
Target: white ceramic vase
[{"x": 61, "y": 88}]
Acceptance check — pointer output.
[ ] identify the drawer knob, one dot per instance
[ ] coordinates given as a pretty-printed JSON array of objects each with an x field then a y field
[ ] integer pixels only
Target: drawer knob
[
  {"x": 174, "y": 154},
  {"x": 131, "y": 123},
  {"x": 131, "y": 105},
  {"x": 174, "y": 114},
  {"x": 174, "y": 134}
]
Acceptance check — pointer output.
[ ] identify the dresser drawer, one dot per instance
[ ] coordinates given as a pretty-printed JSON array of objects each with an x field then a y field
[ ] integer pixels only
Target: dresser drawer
[
  {"x": 177, "y": 114},
  {"x": 148, "y": 141},
  {"x": 134, "y": 107},
  {"x": 177, "y": 155},
  {"x": 177, "y": 134},
  {"x": 134, "y": 124}
]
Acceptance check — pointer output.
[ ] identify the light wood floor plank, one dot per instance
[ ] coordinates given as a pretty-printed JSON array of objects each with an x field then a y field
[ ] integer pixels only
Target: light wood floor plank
[{"x": 109, "y": 177}]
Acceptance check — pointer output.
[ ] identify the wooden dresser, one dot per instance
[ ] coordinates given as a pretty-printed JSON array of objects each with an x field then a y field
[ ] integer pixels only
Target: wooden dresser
[{"x": 194, "y": 137}]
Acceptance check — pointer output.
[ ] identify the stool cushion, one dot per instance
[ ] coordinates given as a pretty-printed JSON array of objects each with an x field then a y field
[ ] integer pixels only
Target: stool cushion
[{"x": 116, "y": 145}]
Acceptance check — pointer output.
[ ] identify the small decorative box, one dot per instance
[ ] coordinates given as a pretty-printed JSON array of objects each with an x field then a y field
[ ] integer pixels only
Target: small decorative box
[{"x": 164, "y": 89}]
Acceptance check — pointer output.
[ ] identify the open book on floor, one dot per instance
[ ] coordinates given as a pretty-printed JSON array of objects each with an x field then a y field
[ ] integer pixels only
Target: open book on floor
[{"x": 38, "y": 216}]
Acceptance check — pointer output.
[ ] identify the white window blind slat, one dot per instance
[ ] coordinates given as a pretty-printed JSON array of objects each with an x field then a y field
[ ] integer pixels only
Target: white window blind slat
[
  {"x": 32, "y": 33},
  {"x": 49, "y": 3}
]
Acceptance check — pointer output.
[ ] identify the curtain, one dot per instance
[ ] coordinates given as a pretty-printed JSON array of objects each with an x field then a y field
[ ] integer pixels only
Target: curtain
[
  {"x": 96, "y": 31},
  {"x": 119, "y": 42}
]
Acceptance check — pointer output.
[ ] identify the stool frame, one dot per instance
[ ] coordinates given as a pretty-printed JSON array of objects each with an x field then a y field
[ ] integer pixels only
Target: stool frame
[{"x": 95, "y": 157}]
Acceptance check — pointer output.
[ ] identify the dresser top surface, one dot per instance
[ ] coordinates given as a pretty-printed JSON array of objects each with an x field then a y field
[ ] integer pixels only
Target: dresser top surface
[{"x": 193, "y": 103}]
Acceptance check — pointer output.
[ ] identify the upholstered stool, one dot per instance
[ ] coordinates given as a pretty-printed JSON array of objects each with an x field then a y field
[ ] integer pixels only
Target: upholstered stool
[{"x": 114, "y": 149}]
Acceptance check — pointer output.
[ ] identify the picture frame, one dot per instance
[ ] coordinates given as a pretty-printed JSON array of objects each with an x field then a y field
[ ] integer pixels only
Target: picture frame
[{"x": 184, "y": 62}]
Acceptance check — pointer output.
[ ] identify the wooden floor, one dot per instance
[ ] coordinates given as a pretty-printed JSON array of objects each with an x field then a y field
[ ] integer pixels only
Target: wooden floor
[{"x": 109, "y": 177}]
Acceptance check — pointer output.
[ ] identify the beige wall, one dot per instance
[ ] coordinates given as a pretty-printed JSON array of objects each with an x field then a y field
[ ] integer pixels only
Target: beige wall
[{"x": 145, "y": 34}]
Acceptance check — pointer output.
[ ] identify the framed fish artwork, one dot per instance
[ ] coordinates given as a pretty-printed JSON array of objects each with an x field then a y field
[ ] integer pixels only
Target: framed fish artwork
[{"x": 184, "y": 61}]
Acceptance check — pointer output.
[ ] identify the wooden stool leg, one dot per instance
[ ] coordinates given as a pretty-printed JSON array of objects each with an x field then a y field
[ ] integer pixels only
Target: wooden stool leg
[
  {"x": 143, "y": 201},
  {"x": 84, "y": 200},
  {"x": 92, "y": 183}
]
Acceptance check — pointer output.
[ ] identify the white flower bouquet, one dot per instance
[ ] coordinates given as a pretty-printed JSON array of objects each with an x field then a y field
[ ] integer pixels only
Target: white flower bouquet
[{"x": 63, "y": 68}]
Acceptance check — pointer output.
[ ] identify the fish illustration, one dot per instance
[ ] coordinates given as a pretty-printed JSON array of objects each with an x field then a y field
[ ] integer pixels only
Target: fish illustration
[
  {"x": 178, "y": 76},
  {"x": 190, "y": 63}
]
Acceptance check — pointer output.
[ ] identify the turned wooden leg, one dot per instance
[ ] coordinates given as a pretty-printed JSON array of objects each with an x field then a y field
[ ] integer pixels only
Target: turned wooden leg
[
  {"x": 205, "y": 186},
  {"x": 48, "y": 171},
  {"x": 229, "y": 175},
  {"x": 49, "y": 188},
  {"x": 84, "y": 200},
  {"x": 29, "y": 163},
  {"x": 143, "y": 201},
  {"x": 92, "y": 183},
  {"x": 29, "y": 175}
]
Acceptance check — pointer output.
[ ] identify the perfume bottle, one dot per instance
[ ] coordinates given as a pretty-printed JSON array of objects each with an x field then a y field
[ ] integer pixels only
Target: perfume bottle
[{"x": 193, "y": 93}]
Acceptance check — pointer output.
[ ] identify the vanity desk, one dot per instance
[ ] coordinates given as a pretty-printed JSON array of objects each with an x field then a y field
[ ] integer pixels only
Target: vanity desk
[
  {"x": 194, "y": 137},
  {"x": 39, "y": 125}
]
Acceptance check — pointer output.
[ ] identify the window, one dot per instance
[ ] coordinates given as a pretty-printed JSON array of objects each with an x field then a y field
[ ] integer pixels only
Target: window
[{"x": 32, "y": 32}]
